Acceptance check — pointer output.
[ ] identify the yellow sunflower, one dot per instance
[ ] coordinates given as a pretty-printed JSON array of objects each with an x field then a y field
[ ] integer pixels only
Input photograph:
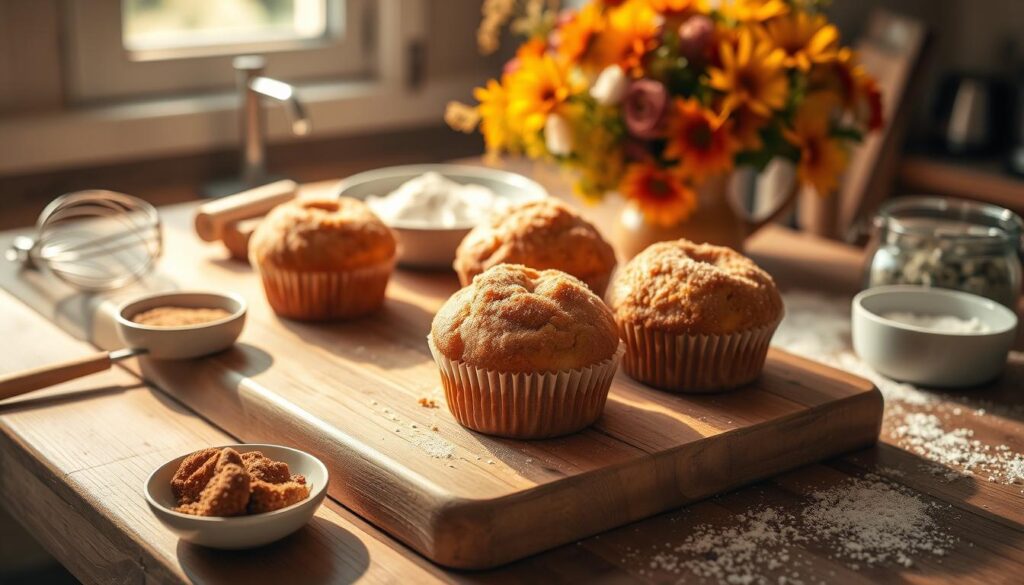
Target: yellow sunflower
[
  {"x": 751, "y": 74},
  {"x": 753, "y": 10},
  {"x": 493, "y": 111},
  {"x": 699, "y": 140},
  {"x": 535, "y": 89},
  {"x": 576, "y": 35},
  {"x": 807, "y": 39},
  {"x": 660, "y": 194},
  {"x": 822, "y": 158},
  {"x": 630, "y": 32}
]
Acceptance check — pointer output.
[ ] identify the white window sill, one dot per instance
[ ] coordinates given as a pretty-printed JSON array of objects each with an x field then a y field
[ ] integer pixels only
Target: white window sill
[{"x": 174, "y": 126}]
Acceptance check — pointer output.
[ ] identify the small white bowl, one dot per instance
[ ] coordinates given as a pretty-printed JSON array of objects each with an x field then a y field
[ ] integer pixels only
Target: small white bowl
[
  {"x": 239, "y": 532},
  {"x": 188, "y": 341},
  {"x": 434, "y": 248},
  {"x": 927, "y": 357}
]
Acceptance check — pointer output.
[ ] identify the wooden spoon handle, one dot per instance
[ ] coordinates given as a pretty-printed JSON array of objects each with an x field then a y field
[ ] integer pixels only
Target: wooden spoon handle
[
  {"x": 211, "y": 217},
  {"x": 19, "y": 383}
]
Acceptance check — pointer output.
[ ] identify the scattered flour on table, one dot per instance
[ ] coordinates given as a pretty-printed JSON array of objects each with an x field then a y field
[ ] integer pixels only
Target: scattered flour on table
[
  {"x": 818, "y": 327},
  {"x": 922, "y": 433},
  {"x": 862, "y": 522},
  {"x": 872, "y": 521}
]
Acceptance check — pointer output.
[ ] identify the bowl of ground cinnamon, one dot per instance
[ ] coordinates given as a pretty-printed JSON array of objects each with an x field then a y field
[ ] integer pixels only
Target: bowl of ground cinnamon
[{"x": 182, "y": 324}]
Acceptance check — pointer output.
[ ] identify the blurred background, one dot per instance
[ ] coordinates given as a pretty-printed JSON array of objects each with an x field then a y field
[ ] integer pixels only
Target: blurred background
[{"x": 140, "y": 96}]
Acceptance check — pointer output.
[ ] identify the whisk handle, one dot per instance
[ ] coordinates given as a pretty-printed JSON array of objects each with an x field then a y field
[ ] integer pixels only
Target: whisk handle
[{"x": 18, "y": 383}]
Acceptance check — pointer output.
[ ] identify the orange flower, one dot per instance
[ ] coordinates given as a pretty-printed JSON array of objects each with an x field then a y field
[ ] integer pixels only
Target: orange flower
[
  {"x": 576, "y": 35},
  {"x": 698, "y": 140},
  {"x": 751, "y": 75},
  {"x": 807, "y": 39},
  {"x": 746, "y": 128},
  {"x": 857, "y": 89},
  {"x": 753, "y": 10},
  {"x": 536, "y": 89},
  {"x": 631, "y": 32},
  {"x": 661, "y": 194},
  {"x": 838, "y": 76},
  {"x": 679, "y": 8},
  {"x": 535, "y": 47},
  {"x": 822, "y": 159},
  {"x": 873, "y": 103}
]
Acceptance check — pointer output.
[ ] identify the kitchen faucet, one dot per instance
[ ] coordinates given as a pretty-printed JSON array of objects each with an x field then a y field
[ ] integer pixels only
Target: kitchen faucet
[{"x": 253, "y": 86}]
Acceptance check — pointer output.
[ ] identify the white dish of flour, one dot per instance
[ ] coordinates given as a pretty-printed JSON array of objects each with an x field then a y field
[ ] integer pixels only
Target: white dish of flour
[
  {"x": 938, "y": 323},
  {"x": 431, "y": 208},
  {"x": 432, "y": 200},
  {"x": 932, "y": 336}
]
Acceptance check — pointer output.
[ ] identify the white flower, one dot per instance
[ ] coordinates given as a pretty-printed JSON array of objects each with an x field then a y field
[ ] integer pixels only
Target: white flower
[
  {"x": 557, "y": 135},
  {"x": 610, "y": 87}
]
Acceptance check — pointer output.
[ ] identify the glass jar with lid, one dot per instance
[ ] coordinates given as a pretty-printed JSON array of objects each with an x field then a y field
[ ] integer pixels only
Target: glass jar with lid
[{"x": 948, "y": 243}]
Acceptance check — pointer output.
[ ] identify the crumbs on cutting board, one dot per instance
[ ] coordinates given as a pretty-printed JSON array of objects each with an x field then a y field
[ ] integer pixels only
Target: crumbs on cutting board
[
  {"x": 423, "y": 435},
  {"x": 860, "y": 522},
  {"x": 426, "y": 435}
]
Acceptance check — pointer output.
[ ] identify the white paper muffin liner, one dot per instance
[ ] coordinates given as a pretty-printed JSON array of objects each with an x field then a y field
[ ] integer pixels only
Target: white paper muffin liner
[
  {"x": 694, "y": 363},
  {"x": 525, "y": 405},
  {"x": 326, "y": 295}
]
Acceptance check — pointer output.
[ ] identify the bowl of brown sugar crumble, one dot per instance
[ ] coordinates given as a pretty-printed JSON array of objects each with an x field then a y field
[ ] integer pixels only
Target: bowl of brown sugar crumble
[{"x": 182, "y": 324}]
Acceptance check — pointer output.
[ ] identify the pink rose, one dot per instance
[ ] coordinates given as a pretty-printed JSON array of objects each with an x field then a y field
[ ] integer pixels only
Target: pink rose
[
  {"x": 645, "y": 106},
  {"x": 695, "y": 36}
]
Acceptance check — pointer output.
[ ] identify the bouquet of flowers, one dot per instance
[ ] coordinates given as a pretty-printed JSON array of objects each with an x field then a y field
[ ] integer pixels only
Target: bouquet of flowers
[{"x": 650, "y": 98}]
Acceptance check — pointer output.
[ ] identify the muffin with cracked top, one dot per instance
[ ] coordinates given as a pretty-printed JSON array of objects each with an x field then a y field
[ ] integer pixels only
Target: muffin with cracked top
[
  {"x": 323, "y": 258},
  {"x": 694, "y": 317},
  {"x": 542, "y": 234},
  {"x": 525, "y": 353}
]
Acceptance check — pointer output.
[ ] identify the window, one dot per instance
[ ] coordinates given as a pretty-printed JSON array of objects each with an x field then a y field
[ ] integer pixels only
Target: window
[
  {"x": 174, "y": 27},
  {"x": 136, "y": 48}
]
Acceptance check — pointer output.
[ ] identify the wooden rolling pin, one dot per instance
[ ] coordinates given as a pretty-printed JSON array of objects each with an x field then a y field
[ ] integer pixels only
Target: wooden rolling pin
[{"x": 212, "y": 218}]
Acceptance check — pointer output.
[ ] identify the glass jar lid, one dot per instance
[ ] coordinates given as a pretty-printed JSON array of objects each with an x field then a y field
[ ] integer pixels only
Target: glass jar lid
[{"x": 951, "y": 218}]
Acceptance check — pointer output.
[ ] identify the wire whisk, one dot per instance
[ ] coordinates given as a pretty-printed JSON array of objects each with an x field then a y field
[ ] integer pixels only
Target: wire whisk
[{"x": 94, "y": 240}]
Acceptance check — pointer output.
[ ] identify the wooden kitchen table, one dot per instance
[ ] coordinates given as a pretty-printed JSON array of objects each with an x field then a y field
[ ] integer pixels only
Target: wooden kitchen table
[{"x": 73, "y": 459}]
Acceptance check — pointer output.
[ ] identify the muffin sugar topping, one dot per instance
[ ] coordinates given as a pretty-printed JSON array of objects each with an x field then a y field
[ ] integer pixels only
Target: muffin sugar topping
[{"x": 514, "y": 318}]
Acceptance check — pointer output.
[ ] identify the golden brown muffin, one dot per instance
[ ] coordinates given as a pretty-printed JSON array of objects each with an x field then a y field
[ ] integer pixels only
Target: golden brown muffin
[
  {"x": 525, "y": 353},
  {"x": 694, "y": 317},
  {"x": 323, "y": 258},
  {"x": 682, "y": 287},
  {"x": 321, "y": 235},
  {"x": 543, "y": 234},
  {"x": 517, "y": 319}
]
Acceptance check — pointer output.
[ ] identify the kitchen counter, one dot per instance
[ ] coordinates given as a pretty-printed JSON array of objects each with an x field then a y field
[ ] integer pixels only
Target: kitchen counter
[{"x": 73, "y": 459}]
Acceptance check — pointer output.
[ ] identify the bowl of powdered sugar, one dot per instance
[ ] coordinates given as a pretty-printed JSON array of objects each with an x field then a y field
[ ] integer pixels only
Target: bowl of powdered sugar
[{"x": 932, "y": 336}]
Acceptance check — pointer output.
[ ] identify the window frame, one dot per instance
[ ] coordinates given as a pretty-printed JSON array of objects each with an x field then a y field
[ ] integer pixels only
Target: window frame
[
  {"x": 99, "y": 68},
  {"x": 397, "y": 96}
]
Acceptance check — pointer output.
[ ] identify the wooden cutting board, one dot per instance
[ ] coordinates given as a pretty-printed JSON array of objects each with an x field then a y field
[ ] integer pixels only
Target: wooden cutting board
[{"x": 350, "y": 393}]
